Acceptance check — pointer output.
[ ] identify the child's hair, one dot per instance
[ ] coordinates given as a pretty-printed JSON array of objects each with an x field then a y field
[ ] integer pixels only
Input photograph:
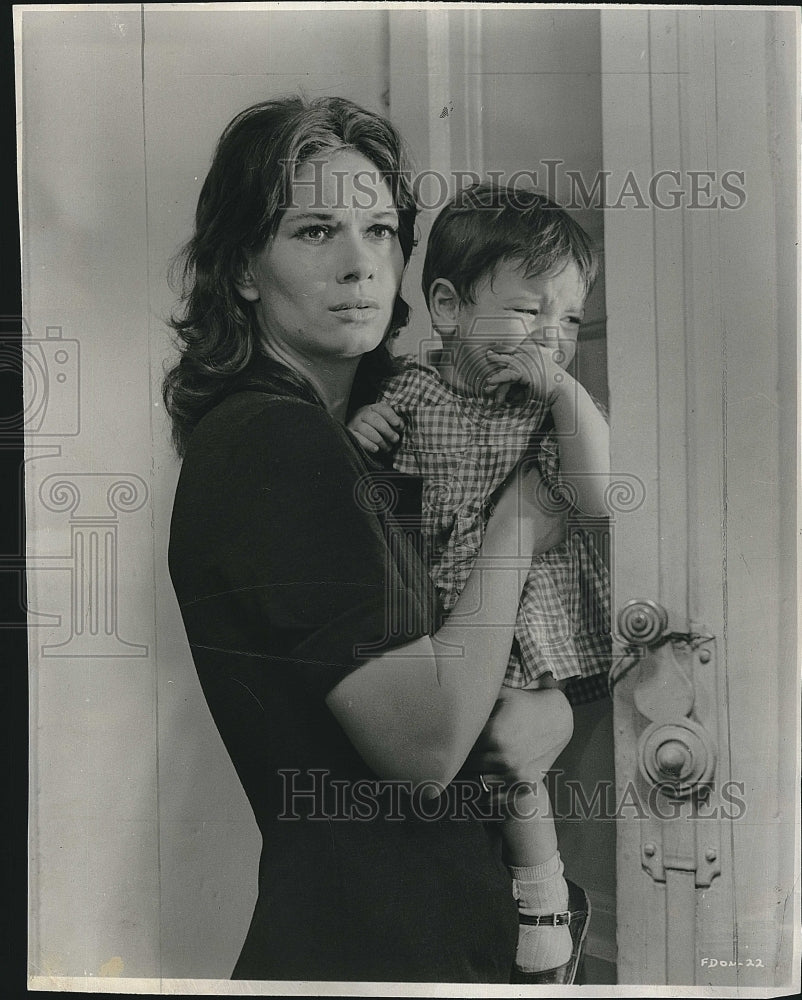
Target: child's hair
[{"x": 488, "y": 223}]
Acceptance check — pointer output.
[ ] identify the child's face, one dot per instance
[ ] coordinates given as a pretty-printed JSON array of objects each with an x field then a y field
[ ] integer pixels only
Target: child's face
[{"x": 511, "y": 309}]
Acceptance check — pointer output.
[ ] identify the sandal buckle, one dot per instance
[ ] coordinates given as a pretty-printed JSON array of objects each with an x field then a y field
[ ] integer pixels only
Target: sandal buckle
[{"x": 546, "y": 920}]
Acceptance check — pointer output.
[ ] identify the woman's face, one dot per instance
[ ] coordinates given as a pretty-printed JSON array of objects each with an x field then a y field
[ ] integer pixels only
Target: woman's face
[{"x": 325, "y": 284}]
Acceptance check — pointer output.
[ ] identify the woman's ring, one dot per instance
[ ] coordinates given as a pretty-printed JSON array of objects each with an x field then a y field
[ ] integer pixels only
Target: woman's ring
[{"x": 484, "y": 783}]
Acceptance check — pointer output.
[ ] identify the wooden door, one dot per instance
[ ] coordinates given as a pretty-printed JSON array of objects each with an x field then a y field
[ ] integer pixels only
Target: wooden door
[{"x": 701, "y": 271}]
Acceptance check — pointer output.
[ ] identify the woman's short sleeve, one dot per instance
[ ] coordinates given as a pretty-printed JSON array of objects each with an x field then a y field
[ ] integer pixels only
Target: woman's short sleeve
[{"x": 309, "y": 577}]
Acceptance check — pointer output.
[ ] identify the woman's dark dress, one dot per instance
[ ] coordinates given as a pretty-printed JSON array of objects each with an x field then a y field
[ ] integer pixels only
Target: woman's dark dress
[{"x": 281, "y": 569}]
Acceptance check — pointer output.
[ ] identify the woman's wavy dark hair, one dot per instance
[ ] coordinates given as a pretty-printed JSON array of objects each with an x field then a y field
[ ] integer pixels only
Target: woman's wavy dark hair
[{"x": 239, "y": 209}]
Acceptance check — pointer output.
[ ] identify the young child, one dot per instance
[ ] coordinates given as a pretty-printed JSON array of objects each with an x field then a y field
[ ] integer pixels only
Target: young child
[{"x": 505, "y": 277}]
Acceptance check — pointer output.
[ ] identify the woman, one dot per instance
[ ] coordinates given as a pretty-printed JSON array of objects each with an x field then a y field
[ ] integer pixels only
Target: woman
[{"x": 344, "y": 703}]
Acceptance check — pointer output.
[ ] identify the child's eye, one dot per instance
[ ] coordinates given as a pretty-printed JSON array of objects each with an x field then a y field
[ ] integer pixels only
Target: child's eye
[
  {"x": 528, "y": 312},
  {"x": 573, "y": 320}
]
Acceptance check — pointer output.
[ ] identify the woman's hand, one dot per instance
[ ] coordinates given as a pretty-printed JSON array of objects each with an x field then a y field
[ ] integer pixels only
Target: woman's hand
[
  {"x": 524, "y": 735},
  {"x": 376, "y": 427}
]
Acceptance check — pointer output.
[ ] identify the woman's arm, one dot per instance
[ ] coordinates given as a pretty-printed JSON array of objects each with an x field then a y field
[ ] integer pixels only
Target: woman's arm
[{"x": 415, "y": 712}]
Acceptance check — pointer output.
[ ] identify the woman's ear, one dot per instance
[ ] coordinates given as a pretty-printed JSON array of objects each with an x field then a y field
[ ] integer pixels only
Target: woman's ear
[
  {"x": 444, "y": 306},
  {"x": 245, "y": 283}
]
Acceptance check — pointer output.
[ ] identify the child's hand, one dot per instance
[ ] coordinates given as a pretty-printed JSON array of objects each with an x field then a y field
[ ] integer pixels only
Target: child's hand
[
  {"x": 375, "y": 427},
  {"x": 531, "y": 365}
]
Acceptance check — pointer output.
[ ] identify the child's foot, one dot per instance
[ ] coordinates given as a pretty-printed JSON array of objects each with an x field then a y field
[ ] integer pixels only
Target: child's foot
[
  {"x": 578, "y": 917},
  {"x": 544, "y": 940},
  {"x": 541, "y": 948}
]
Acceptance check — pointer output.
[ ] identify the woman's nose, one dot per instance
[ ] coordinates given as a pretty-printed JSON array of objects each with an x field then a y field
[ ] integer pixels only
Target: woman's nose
[{"x": 356, "y": 263}]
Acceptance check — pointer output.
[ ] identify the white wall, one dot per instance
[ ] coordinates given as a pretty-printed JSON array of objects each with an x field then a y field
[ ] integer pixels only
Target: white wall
[
  {"x": 95, "y": 870},
  {"x": 143, "y": 848}
]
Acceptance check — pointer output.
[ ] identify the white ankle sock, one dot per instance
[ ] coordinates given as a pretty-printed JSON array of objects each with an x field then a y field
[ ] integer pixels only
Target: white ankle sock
[{"x": 540, "y": 890}]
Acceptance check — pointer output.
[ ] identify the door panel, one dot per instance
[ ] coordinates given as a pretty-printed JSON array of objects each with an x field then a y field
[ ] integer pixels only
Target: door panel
[{"x": 698, "y": 415}]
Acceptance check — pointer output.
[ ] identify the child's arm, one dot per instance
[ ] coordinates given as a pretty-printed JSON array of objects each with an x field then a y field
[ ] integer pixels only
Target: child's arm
[
  {"x": 376, "y": 427},
  {"x": 583, "y": 436},
  {"x": 581, "y": 431}
]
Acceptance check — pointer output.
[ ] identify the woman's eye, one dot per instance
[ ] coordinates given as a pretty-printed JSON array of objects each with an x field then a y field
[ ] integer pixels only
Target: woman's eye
[
  {"x": 572, "y": 320},
  {"x": 384, "y": 232},
  {"x": 528, "y": 312},
  {"x": 314, "y": 234}
]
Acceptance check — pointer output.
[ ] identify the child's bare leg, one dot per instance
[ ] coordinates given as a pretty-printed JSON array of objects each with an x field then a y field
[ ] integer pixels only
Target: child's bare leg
[
  {"x": 528, "y": 831},
  {"x": 529, "y": 834},
  {"x": 530, "y": 840}
]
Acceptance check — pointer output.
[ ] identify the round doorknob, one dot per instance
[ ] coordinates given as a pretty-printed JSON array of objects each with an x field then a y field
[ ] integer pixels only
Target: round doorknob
[
  {"x": 674, "y": 758},
  {"x": 679, "y": 757},
  {"x": 642, "y": 622}
]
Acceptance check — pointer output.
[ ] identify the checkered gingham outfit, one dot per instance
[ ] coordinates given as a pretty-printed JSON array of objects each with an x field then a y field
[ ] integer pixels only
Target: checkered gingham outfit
[{"x": 464, "y": 448}]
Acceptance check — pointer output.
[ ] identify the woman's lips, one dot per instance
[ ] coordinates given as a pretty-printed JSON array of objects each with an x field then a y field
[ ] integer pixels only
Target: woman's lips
[
  {"x": 356, "y": 304},
  {"x": 356, "y": 309}
]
